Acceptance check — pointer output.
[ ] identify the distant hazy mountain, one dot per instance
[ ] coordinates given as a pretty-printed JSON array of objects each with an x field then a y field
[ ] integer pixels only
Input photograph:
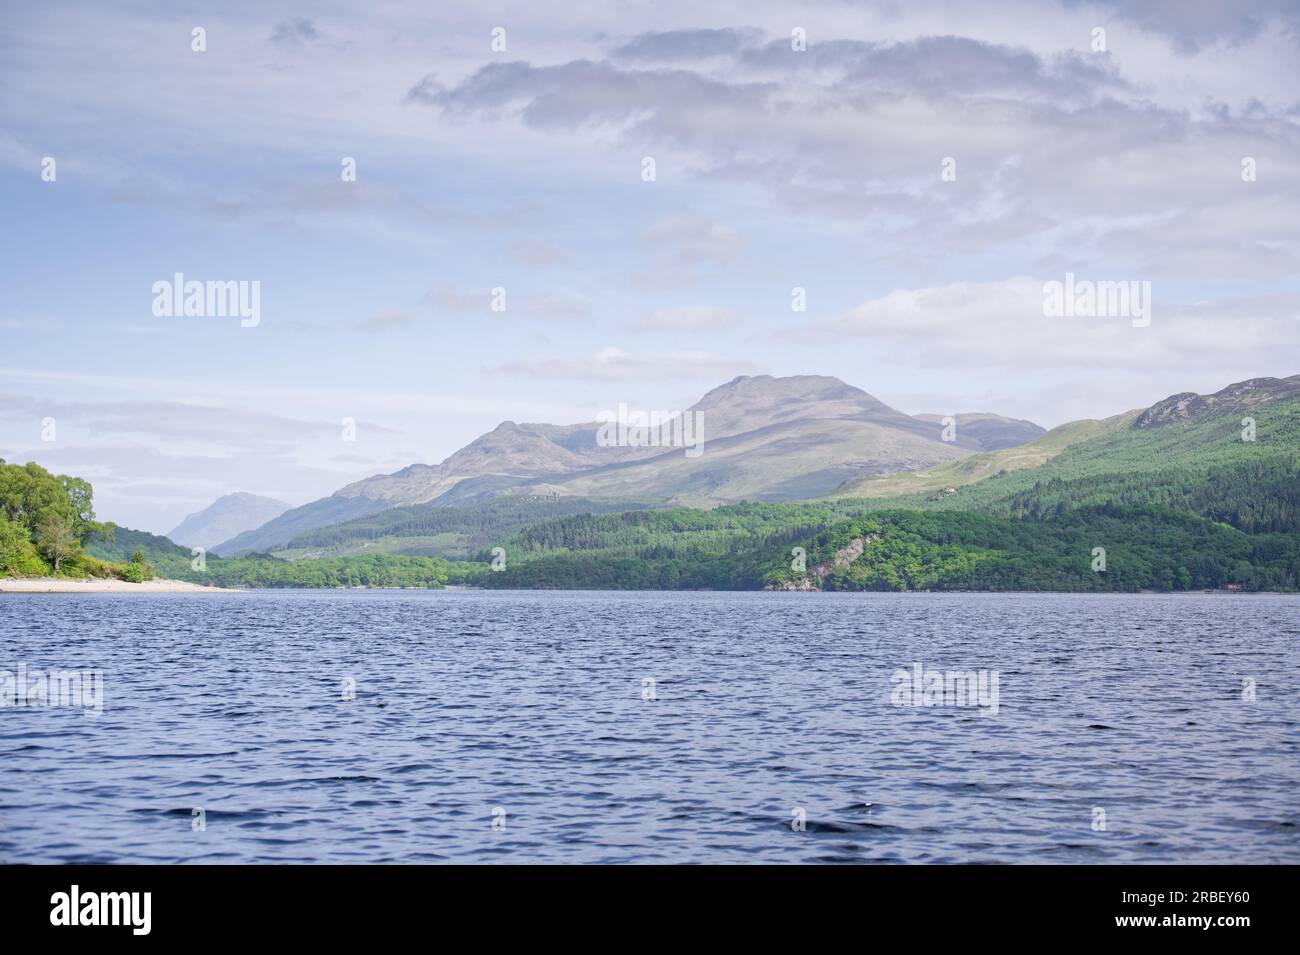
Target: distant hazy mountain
[
  {"x": 990, "y": 431},
  {"x": 224, "y": 518},
  {"x": 765, "y": 439},
  {"x": 282, "y": 529}
]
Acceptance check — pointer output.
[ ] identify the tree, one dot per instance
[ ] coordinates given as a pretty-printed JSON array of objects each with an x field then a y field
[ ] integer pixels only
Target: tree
[
  {"x": 138, "y": 570},
  {"x": 12, "y": 538},
  {"x": 57, "y": 541},
  {"x": 29, "y": 494},
  {"x": 80, "y": 496},
  {"x": 17, "y": 555}
]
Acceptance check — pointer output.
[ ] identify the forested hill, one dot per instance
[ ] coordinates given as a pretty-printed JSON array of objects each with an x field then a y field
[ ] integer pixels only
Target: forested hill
[
  {"x": 1248, "y": 430},
  {"x": 1232, "y": 460},
  {"x": 436, "y": 530},
  {"x": 1251, "y": 421},
  {"x": 264, "y": 570},
  {"x": 786, "y": 546}
]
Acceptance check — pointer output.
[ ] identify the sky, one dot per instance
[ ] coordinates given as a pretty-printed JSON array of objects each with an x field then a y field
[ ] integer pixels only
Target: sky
[{"x": 646, "y": 184}]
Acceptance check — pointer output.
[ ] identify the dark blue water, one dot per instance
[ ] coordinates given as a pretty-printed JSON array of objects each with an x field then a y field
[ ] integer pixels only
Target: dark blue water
[{"x": 530, "y": 705}]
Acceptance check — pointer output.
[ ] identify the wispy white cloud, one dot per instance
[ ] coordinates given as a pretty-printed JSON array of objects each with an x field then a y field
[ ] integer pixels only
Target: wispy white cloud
[
  {"x": 1003, "y": 324},
  {"x": 687, "y": 318},
  {"x": 613, "y": 362},
  {"x": 386, "y": 319}
]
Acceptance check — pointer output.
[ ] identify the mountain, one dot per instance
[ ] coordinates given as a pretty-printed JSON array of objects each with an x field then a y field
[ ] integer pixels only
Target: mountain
[
  {"x": 989, "y": 431},
  {"x": 977, "y": 467},
  {"x": 1194, "y": 492},
  {"x": 224, "y": 518},
  {"x": 1245, "y": 398},
  {"x": 764, "y": 439},
  {"x": 1185, "y": 433},
  {"x": 510, "y": 454},
  {"x": 280, "y": 530}
]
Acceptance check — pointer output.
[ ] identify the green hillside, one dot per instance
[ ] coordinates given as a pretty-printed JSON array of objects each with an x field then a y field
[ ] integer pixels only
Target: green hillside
[
  {"x": 265, "y": 570},
  {"x": 280, "y": 530},
  {"x": 741, "y": 548},
  {"x": 977, "y": 467},
  {"x": 437, "y": 530},
  {"x": 1186, "y": 463},
  {"x": 1145, "y": 548},
  {"x": 1189, "y": 434}
]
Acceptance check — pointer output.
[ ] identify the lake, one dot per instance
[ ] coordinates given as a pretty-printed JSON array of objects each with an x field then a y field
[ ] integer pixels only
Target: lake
[{"x": 490, "y": 726}]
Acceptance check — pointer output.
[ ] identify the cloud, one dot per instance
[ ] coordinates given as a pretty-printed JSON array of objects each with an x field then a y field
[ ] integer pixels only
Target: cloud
[
  {"x": 178, "y": 421},
  {"x": 191, "y": 423},
  {"x": 277, "y": 394},
  {"x": 295, "y": 31},
  {"x": 385, "y": 320},
  {"x": 684, "y": 248},
  {"x": 686, "y": 318},
  {"x": 1002, "y": 325},
  {"x": 947, "y": 66},
  {"x": 548, "y": 306},
  {"x": 1192, "y": 24},
  {"x": 28, "y": 322},
  {"x": 582, "y": 92},
  {"x": 428, "y": 91},
  {"x": 615, "y": 363},
  {"x": 692, "y": 239},
  {"x": 557, "y": 306},
  {"x": 691, "y": 45},
  {"x": 450, "y": 298},
  {"x": 539, "y": 253},
  {"x": 705, "y": 103},
  {"x": 1058, "y": 149}
]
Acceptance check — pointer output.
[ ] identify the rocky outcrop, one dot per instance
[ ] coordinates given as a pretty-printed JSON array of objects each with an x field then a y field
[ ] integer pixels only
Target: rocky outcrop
[
  {"x": 1243, "y": 396},
  {"x": 843, "y": 559},
  {"x": 803, "y": 583}
]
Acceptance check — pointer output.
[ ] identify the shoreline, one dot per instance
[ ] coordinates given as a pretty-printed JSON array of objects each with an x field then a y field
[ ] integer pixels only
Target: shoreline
[{"x": 72, "y": 585}]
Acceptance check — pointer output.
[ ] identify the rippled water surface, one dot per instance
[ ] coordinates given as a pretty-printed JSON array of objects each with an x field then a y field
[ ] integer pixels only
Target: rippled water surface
[{"x": 473, "y": 703}]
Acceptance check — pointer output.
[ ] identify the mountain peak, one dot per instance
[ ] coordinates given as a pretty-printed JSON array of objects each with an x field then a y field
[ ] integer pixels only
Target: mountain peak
[
  {"x": 796, "y": 387},
  {"x": 1242, "y": 396},
  {"x": 226, "y": 517},
  {"x": 785, "y": 437},
  {"x": 750, "y": 402}
]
